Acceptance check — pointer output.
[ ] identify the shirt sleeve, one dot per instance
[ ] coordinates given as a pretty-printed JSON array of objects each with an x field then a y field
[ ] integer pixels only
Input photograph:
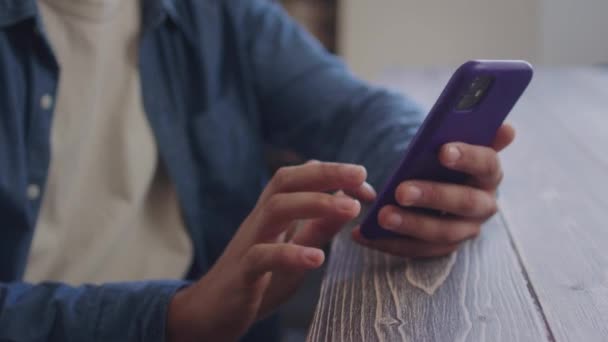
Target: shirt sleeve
[
  {"x": 113, "y": 312},
  {"x": 311, "y": 103}
]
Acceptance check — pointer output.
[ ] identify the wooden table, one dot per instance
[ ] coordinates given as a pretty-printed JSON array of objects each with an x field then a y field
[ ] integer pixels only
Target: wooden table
[{"x": 539, "y": 270}]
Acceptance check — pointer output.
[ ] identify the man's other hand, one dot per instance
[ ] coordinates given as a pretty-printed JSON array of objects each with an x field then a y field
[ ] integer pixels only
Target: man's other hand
[
  {"x": 267, "y": 259},
  {"x": 464, "y": 207}
]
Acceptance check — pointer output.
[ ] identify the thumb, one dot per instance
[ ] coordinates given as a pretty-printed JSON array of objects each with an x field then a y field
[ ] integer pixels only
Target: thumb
[{"x": 285, "y": 257}]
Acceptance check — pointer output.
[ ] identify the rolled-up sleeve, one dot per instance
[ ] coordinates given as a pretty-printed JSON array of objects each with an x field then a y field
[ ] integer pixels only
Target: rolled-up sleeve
[{"x": 134, "y": 311}]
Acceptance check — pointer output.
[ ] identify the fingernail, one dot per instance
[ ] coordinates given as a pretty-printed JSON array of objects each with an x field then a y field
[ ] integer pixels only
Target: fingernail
[
  {"x": 393, "y": 221},
  {"x": 313, "y": 256},
  {"x": 452, "y": 154},
  {"x": 369, "y": 188},
  {"x": 410, "y": 195},
  {"x": 344, "y": 203},
  {"x": 352, "y": 171}
]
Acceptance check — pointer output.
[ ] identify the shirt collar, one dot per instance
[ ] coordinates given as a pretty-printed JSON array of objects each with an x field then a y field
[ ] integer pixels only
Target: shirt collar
[{"x": 154, "y": 12}]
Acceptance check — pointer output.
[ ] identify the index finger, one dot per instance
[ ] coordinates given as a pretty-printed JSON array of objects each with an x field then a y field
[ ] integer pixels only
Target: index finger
[
  {"x": 504, "y": 137},
  {"x": 316, "y": 176},
  {"x": 478, "y": 161}
]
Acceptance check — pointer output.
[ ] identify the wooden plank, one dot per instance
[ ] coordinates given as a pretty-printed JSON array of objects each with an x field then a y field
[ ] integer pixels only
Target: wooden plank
[
  {"x": 555, "y": 199},
  {"x": 366, "y": 296}
]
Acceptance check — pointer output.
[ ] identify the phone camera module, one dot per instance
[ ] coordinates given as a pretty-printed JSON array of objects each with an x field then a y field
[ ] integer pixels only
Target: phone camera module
[{"x": 474, "y": 93}]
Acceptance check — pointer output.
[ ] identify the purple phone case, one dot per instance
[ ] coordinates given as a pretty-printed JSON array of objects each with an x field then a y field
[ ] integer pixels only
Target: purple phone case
[{"x": 446, "y": 124}]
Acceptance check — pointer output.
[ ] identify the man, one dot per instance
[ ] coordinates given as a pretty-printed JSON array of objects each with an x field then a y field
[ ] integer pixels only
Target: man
[{"x": 131, "y": 149}]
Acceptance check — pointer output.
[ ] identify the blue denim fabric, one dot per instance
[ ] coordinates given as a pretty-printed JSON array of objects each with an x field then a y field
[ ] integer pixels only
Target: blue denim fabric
[{"x": 220, "y": 79}]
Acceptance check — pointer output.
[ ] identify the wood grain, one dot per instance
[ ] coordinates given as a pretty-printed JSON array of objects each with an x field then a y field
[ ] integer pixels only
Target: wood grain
[
  {"x": 555, "y": 199},
  {"x": 366, "y": 296},
  {"x": 430, "y": 273},
  {"x": 539, "y": 270}
]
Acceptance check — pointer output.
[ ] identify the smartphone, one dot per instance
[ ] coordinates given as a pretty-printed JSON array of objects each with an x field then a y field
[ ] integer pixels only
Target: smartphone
[{"x": 470, "y": 109}]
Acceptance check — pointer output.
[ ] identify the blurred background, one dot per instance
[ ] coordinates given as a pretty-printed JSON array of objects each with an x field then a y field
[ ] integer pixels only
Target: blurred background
[{"x": 375, "y": 37}]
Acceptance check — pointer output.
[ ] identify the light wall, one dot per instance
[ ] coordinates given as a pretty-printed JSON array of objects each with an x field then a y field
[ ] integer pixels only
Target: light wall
[
  {"x": 380, "y": 34},
  {"x": 574, "y": 31}
]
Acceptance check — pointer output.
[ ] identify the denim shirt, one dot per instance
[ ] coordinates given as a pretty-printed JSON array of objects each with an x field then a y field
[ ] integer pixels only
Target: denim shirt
[{"x": 220, "y": 78}]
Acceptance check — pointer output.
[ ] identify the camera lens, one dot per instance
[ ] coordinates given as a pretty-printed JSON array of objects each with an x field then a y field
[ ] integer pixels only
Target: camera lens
[{"x": 474, "y": 93}]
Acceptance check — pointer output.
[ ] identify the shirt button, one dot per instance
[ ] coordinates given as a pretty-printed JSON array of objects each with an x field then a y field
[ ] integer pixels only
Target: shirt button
[
  {"x": 46, "y": 102},
  {"x": 33, "y": 191}
]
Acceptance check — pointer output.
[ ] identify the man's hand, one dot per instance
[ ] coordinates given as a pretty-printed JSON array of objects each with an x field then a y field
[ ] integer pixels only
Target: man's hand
[
  {"x": 465, "y": 207},
  {"x": 263, "y": 264}
]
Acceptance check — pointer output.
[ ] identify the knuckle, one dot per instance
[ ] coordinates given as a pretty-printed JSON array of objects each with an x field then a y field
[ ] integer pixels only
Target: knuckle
[
  {"x": 438, "y": 235},
  {"x": 254, "y": 256},
  {"x": 492, "y": 207},
  {"x": 273, "y": 205},
  {"x": 281, "y": 177},
  {"x": 491, "y": 167},
  {"x": 327, "y": 170},
  {"x": 417, "y": 223},
  {"x": 470, "y": 201},
  {"x": 431, "y": 193}
]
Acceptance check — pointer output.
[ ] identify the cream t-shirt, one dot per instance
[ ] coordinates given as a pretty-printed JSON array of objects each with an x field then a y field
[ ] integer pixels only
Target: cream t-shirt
[{"x": 109, "y": 211}]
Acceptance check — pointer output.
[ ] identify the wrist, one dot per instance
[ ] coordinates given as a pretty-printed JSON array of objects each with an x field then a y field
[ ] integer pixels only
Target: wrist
[{"x": 179, "y": 318}]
